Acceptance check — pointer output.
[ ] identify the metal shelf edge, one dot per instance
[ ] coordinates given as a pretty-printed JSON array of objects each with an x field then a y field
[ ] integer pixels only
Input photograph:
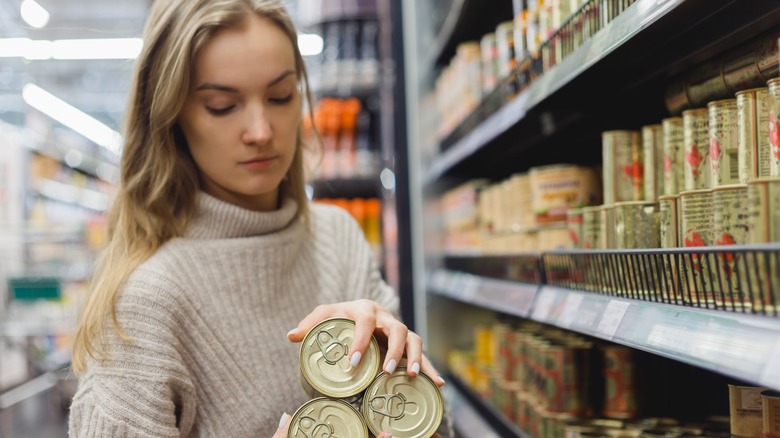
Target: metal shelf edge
[{"x": 508, "y": 297}]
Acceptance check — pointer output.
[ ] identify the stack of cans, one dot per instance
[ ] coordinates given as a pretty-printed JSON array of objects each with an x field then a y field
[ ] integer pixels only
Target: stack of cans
[{"x": 359, "y": 401}]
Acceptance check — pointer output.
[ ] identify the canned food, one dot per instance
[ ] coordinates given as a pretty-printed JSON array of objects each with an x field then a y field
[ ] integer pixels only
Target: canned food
[
  {"x": 557, "y": 188},
  {"x": 771, "y": 413},
  {"x": 696, "y": 230},
  {"x": 670, "y": 238},
  {"x": 591, "y": 227},
  {"x": 564, "y": 378},
  {"x": 575, "y": 223},
  {"x": 704, "y": 84},
  {"x": 753, "y": 141},
  {"x": 324, "y": 363},
  {"x": 622, "y": 166},
  {"x": 723, "y": 134},
  {"x": 607, "y": 234},
  {"x": 697, "y": 157},
  {"x": 552, "y": 237},
  {"x": 637, "y": 225},
  {"x": 521, "y": 196},
  {"x": 653, "y": 154},
  {"x": 326, "y": 417},
  {"x": 521, "y": 24},
  {"x": 774, "y": 127},
  {"x": 505, "y": 41},
  {"x": 764, "y": 211},
  {"x": 489, "y": 54},
  {"x": 406, "y": 406},
  {"x": 620, "y": 379},
  {"x": 731, "y": 227},
  {"x": 745, "y": 410},
  {"x": 740, "y": 71},
  {"x": 674, "y": 156}
]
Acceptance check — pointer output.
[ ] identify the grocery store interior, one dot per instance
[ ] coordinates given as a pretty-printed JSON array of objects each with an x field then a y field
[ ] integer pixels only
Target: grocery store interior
[{"x": 577, "y": 201}]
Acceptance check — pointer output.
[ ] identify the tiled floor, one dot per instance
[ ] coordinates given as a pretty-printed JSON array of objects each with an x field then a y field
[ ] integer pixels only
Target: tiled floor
[{"x": 42, "y": 416}]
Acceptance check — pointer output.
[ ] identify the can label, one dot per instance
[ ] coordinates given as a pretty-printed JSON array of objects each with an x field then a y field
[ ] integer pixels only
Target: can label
[
  {"x": 637, "y": 225},
  {"x": 653, "y": 154},
  {"x": 607, "y": 233},
  {"x": 697, "y": 156},
  {"x": 620, "y": 379},
  {"x": 674, "y": 156},
  {"x": 622, "y": 166},
  {"x": 764, "y": 207},
  {"x": 575, "y": 223},
  {"x": 327, "y": 417},
  {"x": 696, "y": 231},
  {"x": 753, "y": 108},
  {"x": 669, "y": 231},
  {"x": 731, "y": 226},
  {"x": 745, "y": 410},
  {"x": 591, "y": 228},
  {"x": 556, "y": 189},
  {"x": 774, "y": 127},
  {"x": 771, "y": 413},
  {"x": 723, "y": 133}
]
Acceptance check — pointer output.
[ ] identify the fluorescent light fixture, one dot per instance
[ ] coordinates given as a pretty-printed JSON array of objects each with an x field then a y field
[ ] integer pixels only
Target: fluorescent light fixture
[
  {"x": 96, "y": 48},
  {"x": 71, "y": 117},
  {"x": 310, "y": 44},
  {"x": 34, "y": 14}
]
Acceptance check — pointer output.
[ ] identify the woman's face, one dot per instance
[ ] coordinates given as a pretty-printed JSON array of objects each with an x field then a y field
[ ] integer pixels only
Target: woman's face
[{"x": 242, "y": 113}]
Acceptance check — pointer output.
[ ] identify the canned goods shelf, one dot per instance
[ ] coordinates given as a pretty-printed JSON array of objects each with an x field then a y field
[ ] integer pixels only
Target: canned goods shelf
[{"x": 501, "y": 295}]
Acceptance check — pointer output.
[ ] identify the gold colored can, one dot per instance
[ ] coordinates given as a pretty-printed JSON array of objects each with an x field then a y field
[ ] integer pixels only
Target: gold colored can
[
  {"x": 697, "y": 156},
  {"x": 753, "y": 108},
  {"x": 620, "y": 379},
  {"x": 696, "y": 231},
  {"x": 674, "y": 156},
  {"x": 327, "y": 417},
  {"x": 670, "y": 238},
  {"x": 637, "y": 225},
  {"x": 731, "y": 227},
  {"x": 774, "y": 127},
  {"x": 324, "y": 363},
  {"x": 607, "y": 234},
  {"x": 653, "y": 154},
  {"x": 621, "y": 164},
  {"x": 745, "y": 411},
  {"x": 724, "y": 136},
  {"x": 406, "y": 406},
  {"x": 764, "y": 223},
  {"x": 771, "y": 413},
  {"x": 575, "y": 223},
  {"x": 591, "y": 227}
]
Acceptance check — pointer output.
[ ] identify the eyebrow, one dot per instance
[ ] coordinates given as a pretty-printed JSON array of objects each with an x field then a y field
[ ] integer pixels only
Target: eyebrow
[{"x": 225, "y": 88}]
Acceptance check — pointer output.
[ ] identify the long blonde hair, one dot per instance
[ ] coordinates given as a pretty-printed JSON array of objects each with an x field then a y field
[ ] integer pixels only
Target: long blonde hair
[{"x": 159, "y": 182}]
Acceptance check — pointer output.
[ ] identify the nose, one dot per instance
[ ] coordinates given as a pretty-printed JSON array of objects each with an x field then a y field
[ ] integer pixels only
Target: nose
[{"x": 257, "y": 129}]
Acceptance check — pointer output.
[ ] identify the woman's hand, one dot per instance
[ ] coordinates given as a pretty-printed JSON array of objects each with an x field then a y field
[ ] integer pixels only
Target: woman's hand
[{"x": 370, "y": 318}]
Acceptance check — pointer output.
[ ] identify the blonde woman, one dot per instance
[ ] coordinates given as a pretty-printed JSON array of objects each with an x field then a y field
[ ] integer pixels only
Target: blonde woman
[{"x": 214, "y": 252}]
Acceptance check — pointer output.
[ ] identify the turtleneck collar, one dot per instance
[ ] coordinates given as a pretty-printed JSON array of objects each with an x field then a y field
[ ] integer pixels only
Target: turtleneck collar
[{"x": 217, "y": 219}]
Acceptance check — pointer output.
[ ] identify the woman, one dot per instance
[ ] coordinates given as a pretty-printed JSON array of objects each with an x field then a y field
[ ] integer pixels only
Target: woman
[{"x": 214, "y": 251}]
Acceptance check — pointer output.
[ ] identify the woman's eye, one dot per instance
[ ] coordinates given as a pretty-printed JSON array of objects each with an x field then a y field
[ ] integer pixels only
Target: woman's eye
[
  {"x": 219, "y": 111},
  {"x": 281, "y": 100}
]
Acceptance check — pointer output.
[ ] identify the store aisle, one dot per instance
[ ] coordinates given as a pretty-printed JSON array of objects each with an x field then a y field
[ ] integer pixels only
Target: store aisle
[{"x": 40, "y": 416}]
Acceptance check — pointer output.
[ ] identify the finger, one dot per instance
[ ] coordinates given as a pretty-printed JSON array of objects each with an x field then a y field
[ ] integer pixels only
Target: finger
[
  {"x": 319, "y": 314},
  {"x": 431, "y": 372},
  {"x": 396, "y": 341},
  {"x": 385, "y": 435},
  {"x": 365, "y": 324},
  {"x": 413, "y": 353},
  {"x": 284, "y": 423}
]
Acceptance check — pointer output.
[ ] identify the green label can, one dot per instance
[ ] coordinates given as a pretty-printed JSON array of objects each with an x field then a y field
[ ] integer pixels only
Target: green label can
[
  {"x": 622, "y": 165},
  {"x": 674, "y": 156},
  {"x": 724, "y": 135},
  {"x": 323, "y": 417},
  {"x": 697, "y": 156},
  {"x": 753, "y": 141},
  {"x": 653, "y": 155}
]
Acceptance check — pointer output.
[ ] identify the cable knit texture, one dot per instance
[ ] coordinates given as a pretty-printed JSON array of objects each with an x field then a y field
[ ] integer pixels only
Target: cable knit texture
[{"x": 208, "y": 316}]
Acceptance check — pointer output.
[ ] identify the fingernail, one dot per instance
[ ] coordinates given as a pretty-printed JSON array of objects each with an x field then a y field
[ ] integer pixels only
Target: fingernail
[
  {"x": 440, "y": 380},
  {"x": 416, "y": 368},
  {"x": 390, "y": 367},
  {"x": 292, "y": 332},
  {"x": 355, "y": 359},
  {"x": 283, "y": 421}
]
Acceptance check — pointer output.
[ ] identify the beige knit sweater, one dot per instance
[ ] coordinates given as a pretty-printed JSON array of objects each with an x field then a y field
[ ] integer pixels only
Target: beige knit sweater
[{"x": 209, "y": 314}]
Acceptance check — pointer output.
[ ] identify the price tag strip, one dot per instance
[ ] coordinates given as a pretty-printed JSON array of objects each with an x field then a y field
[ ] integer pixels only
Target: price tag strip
[{"x": 613, "y": 316}]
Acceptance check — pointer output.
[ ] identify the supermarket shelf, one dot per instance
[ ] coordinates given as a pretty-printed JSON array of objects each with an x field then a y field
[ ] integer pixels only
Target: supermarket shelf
[
  {"x": 474, "y": 418},
  {"x": 346, "y": 188},
  {"x": 504, "y": 296}
]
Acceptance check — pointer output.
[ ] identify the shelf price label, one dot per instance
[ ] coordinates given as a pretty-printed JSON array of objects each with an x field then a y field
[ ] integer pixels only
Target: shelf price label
[
  {"x": 543, "y": 306},
  {"x": 570, "y": 308},
  {"x": 613, "y": 316},
  {"x": 771, "y": 375}
]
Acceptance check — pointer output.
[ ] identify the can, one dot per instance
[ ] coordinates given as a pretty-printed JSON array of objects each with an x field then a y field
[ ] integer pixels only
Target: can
[
  {"x": 740, "y": 71},
  {"x": 637, "y": 225},
  {"x": 591, "y": 227},
  {"x": 564, "y": 378},
  {"x": 745, "y": 411},
  {"x": 557, "y": 188},
  {"x": 753, "y": 108},
  {"x": 774, "y": 127},
  {"x": 489, "y": 55},
  {"x": 764, "y": 223},
  {"x": 669, "y": 228},
  {"x": 505, "y": 41},
  {"x": 705, "y": 84},
  {"x": 607, "y": 234},
  {"x": 653, "y": 154},
  {"x": 696, "y": 231},
  {"x": 771, "y": 413},
  {"x": 696, "y": 141},
  {"x": 674, "y": 155},
  {"x": 520, "y": 16},
  {"x": 724, "y": 136},
  {"x": 620, "y": 380},
  {"x": 731, "y": 227},
  {"x": 552, "y": 237},
  {"x": 574, "y": 221},
  {"x": 325, "y": 366},
  {"x": 327, "y": 417},
  {"x": 406, "y": 406},
  {"x": 621, "y": 157}
]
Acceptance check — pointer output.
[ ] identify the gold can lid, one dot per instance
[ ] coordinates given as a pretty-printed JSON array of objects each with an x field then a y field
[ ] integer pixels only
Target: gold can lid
[
  {"x": 668, "y": 197},
  {"x": 694, "y": 112},
  {"x": 773, "y": 81},
  {"x": 722, "y": 102},
  {"x": 751, "y": 91},
  {"x": 327, "y": 417},
  {"x": 406, "y": 406},
  {"x": 324, "y": 362},
  {"x": 672, "y": 121}
]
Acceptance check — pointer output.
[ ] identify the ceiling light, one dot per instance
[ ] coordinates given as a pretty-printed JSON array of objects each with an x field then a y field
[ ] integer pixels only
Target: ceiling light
[
  {"x": 34, "y": 14},
  {"x": 105, "y": 48},
  {"x": 72, "y": 117},
  {"x": 310, "y": 44}
]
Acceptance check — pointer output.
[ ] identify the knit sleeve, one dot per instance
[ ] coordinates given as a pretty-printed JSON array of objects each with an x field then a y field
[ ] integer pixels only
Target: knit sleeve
[{"x": 143, "y": 389}]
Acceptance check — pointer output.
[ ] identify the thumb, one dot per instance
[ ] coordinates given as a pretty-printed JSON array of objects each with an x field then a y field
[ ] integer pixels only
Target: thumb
[{"x": 281, "y": 432}]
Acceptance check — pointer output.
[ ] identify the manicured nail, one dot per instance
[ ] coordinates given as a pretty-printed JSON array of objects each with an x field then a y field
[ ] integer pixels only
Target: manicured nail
[
  {"x": 283, "y": 421},
  {"x": 416, "y": 368},
  {"x": 440, "y": 380},
  {"x": 390, "y": 367},
  {"x": 292, "y": 332},
  {"x": 355, "y": 359}
]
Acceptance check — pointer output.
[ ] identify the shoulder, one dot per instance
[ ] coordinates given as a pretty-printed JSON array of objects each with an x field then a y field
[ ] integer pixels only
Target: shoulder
[
  {"x": 333, "y": 220},
  {"x": 157, "y": 282}
]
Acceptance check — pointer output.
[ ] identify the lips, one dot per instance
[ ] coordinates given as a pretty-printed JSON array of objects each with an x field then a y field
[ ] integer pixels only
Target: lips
[{"x": 257, "y": 160}]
